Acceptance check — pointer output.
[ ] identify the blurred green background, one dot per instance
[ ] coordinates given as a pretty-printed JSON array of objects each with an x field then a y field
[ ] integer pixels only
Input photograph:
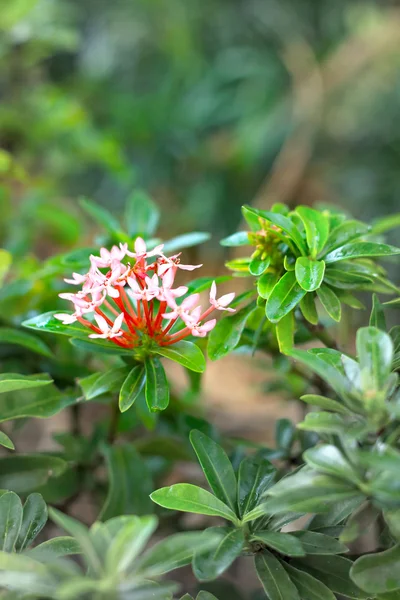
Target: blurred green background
[{"x": 206, "y": 104}]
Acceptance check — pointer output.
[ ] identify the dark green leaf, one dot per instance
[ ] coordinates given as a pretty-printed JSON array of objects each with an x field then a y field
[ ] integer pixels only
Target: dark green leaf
[
  {"x": 360, "y": 250},
  {"x": 216, "y": 467},
  {"x": 308, "y": 309},
  {"x": 157, "y": 388},
  {"x": 284, "y": 543},
  {"x": 191, "y": 498},
  {"x": 130, "y": 483},
  {"x": 142, "y": 214},
  {"x": 24, "y": 473},
  {"x": 318, "y": 543},
  {"x": 100, "y": 346},
  {"x": 330, "y": 302},
  {"x": 256, "y": 475},
  {"x": 102, "y": 383},
  {"x": 308, "y": 586},
  {"x": 131, "y": 387},
  {"x": 210, "y": 565},
  {"x": 39, "y": 402},
  {"x": 288, "y": 226},
  {"x": 10, "y": 520},
  {"x": 333, "y": 571},
  {"x": 377, "y": 318},
  {"x": 274, "y": 579},
  {"x": 284, "y": 297},
  {"x": 10, "y": 382},
  {"x": 316, "y": 225},
  {"x": 186, "y": 354},
  {"x": 266, "y": 283},
  {"x": 378, "y": 573},
  {"x": 33, "y": 520},
  {"x": 226, "y": 334},
  {"x": 309, "y": 273},
  {"x": 49, "y": 324},
  {"x": 344, "y": 233},
  {"x": 26, "y": 340}
]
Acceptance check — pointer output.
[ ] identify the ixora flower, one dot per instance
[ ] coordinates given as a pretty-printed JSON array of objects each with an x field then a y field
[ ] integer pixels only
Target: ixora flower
[{"x": 134, "y": 304}]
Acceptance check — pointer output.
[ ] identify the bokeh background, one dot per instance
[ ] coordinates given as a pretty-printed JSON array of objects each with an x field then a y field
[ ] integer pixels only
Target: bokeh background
[{"x": 206, "y": 104}]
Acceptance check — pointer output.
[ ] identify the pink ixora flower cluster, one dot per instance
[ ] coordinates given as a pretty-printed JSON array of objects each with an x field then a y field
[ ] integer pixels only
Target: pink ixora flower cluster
[{"x": 134, "y": 300}]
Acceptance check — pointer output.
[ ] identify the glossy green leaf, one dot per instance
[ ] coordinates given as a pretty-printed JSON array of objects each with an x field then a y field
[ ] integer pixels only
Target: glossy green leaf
[
  {"x": 10, "y": 520},
  {"x": 258, "y": 266},
  {"x": 330, "y": 302},
  {"x": 252, "y": 218},
  {"x": 130, "y": 483},
  {"x": 100, "y": 346},
  {"x": 216, "y": 467},
  {"x": 309, "y": 273},
  {"x": 55, "y": 548},
  {"x": 49, "y": 324},
  {"x": 128, "y": 543},
  {"x": 34, "y": 518},
  {"x": 81, "y": 534},
  {"x": 157, "y": 388},
  {"x": 142, "y": 214},
  {"x": 328, "y": 459},
  {"x": 318, "y": 543},
  {"x": 131, "y": 387},
  {"x": 378, "y": 573},
  {"x": 240, "y": 238},
  {"x": 360, "y": 250},
  {"x": 5, "y": 441},
  {"x": 186, "y": 354},
  {"x": 10, "y": 382},
  {"x": 22, "y": 473},
  {"x": 375, "y": 354},
  {"x": 334, "y": 572},
  {"x": 26, "y": 340},
  {"x": 266, "y": 283},
  {"x": 284, "y": 543},
  {"x": 308, "y": 586},
  {"x": 316, "y": 225},
  {"x": 274, "y": 579},
  {"x": 98, "y": 384},
  {"x": 186, "y": 240},
  {"x": 345, "y": 233},
  {"x": 226, "y": 334},
  {"x": 175, "y": 551},
  {"x": 256, "y": 475},
  {"x": 285, "y": 333},
  {"x": 191, "y": 498},
  {"x": 308, "y": 309},
  {"x": 284, "y": 297},
  {"x": 326, "y": 403},
  {"x": 101, "y": 215},
  {"x": 287, "y": 225},
  {"x": 210, "y": 565},
  {"x": 41, "y": 402}
]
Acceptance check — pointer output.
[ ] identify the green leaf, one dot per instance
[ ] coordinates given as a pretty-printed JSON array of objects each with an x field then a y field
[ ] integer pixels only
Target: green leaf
[
  {"x": 333, "y": 571},
  {"x": 186, "y": 240},
  {"x": 5, "y": 441},
  {"x": 345, "y": 233},
  {"x": 309, "y": 273},
  {"x": 26, "y": 340},
  {"x": 256, "y": 475},
  {"x": 55, "y": 548},
  {"x": 274, "y": 579},
  {"x": 216, "y": 467},
  {"x": 257, "y": 266},
  {"x": 308, "y": 309},
  {"x": 132, "y": 387},
  {"x": 100, "y": 346},
  {"x": 377, "y": 318},
  {"x": 130, "y": 483},
  {"x": 10, "y": 382},
  {"x": 318, "y": 543},
  {"x": 284, "y": 297},
  {"x": 205, "y": 596},
  {"x": 38, "y": 402},
  {"x": 226, "y": 334},
  {"x": 33, "y": 520},
  {"x": 186, "y": 354},
  {"x": 210, "y": 565},
  {"x": 10, "y": 520},
  {"x": 308, "y": 586},
  {"x": 49, "y": 324},
  {"x": 142, "y": 214},
  {"x": 316, "y": 225},
  {"x": 375, "y": 355},
  {"x": 285, "y": 333},
  {"x": 81, "y": 535},
  {"x": 102, "y": 216},
  {"x": 330, "y": 302},
  {"x": 175, "y": 551},
  {"x": 328, "y": 459},
  {"x": 378, "y": 573},
  {"x": 5, "y": 260},
  {"x": 191, "y": 498},
  {"x": 240, "y": 238},
  {"x": 323, "y": 422},
  {"x": 24, "y": 473},
  {"x": 128, "y": 543},
  {"x": 98, "y": 384},
  {"x": 284, "y": 543},
  {"x": 157, "y": 388},
  {"x": 287, "y": 225},
  {"x": 266, "y": 283},
  {"x": 360, "y": 250},
  {"x": 327, "y": 403},
  {"x": 325, "y": 370}
]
